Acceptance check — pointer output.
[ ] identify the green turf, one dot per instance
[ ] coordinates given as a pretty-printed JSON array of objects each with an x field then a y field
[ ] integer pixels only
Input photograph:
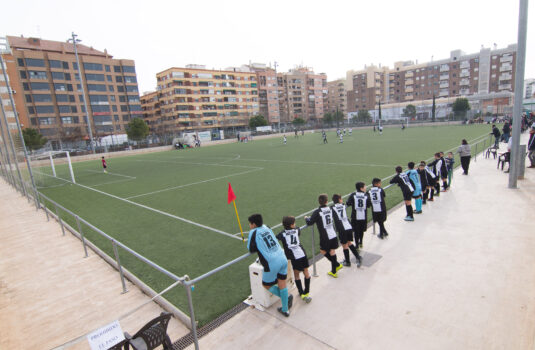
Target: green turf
[{"x": 268, "y": 177}]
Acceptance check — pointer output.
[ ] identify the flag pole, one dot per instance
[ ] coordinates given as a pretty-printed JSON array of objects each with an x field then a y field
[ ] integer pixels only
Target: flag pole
[{"x": 239, "y": 223}]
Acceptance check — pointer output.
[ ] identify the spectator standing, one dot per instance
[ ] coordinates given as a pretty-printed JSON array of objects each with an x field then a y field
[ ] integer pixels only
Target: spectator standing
[
  {"x": 506, "y": 132},
  {"x": 496, "y": 134},
  {"x": 465, "y": 153}
]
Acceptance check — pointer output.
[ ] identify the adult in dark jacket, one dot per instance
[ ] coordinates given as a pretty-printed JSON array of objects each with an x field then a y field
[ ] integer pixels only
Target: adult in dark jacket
[
  {"x": 496, "y": 133},
  {"x": 465, "y": 154},
  {"x": 506, "y": 132}
]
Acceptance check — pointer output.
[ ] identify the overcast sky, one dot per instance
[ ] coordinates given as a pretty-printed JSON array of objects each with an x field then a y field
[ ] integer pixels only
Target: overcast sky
[{"x": 329, "y": 36}]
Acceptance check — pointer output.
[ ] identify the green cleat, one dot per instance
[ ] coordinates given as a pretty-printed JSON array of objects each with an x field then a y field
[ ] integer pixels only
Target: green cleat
[
  {"x": 339, "y": 267},
  {"x": 333, "y": 275}
]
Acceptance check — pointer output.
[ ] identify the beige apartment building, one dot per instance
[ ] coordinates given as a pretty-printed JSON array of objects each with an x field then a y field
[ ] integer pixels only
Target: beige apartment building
[
  {"x": 196, "y": 98},
  {"x": 336, "y": 97},
  {"x": 486, "y": 78},
  {"x": 268, "y": 91},
  {"x": 48, "y": 95}
]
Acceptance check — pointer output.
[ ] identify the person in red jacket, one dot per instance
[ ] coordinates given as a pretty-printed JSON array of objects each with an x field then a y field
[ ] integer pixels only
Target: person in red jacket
[{"x": 104, "y": 165}]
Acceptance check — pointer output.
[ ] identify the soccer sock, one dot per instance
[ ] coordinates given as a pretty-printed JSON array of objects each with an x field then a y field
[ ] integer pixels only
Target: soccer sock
[
  {"x": 275, "y": 290},
  {"x": 361, "y": 236},
  {"x": 445, "y": 184},
  {"x": 346, "y": 254},
  {"x": 334, "y": 263},
  {"x": 354, "y": 251},
  {"x": 432, "y": 193},
  {"x": 299, "y": 286},
  {"x": 425, "y": 194},
  {"x": 418, "y": 204},
  {"x": 437, "y": 188},
  {"x": 307, "y": 285},
  {"x": 284, "y": 299},
  {"x": 381, "y": 227},
  {"x": 409, "y": 210}
]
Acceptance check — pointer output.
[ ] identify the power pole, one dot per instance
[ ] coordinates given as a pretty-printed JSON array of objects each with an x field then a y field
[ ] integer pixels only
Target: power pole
[
  {"x": 74, "y": 41},
  {"x": 277, "y": 91}
]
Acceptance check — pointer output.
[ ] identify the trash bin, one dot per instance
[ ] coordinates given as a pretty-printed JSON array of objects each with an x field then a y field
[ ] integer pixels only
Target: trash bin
[{"x": 261, "y": 295}]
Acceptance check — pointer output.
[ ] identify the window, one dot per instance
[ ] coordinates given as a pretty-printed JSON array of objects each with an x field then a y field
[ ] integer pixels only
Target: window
[
  {"x": 62, "y": 98},
  {"x": 120, "y": 88},
  {"x": 69, "y": 87},
  {"x": 108, "y": 78},
  {"x": 58, "y": 76},
  {"x": 130, "y": 80},
  {"x": 55, "y": 64},
  {"x": 34, "y": 121},
  {"x": 67, "y": 76},
  {"x": 122, "y": 98},
  {"x": 131, "y": 69},
  {"x": 64, "y": 109},
  {"x": 26, "y": 86},
  {"x": 95, "y": 77},
  {"x": 75, "y": 110},
  {"x": 31, "y": 110},
  {"x": 66, "y": 120},
  {"x": 44, "y": 109},
  {"x": 100, "y": 108},
  {"x": 126, "y": 118},
  {"x": 117, "y": 69},
  {"x": 35, "y": 62},
  {"x": 39, "y": 86},
  {"x": 65, "y": 65},
  {"x": 92, "y": 66},
  {"x": 108, "y": 68},
  {"x": 59, "y": 87},
  {"x": 135, "y": 107},
  {"x": 96, "y": 99},
  {"x": 133, "y": 98},
  {"x": 124, "y": 108},
  {"x": 37, "y": 75},
  {"x": 22, "y": 74},
  {"x": 114, "y": 108},
  {"x": 28, "y": 98},
  {"x": 96, "y": 87},
  {"x": 20, "y": 62},
  {"x": 74, "y": 66},
  {"x": 112, "y": 98},
  {"x": 71, "y": 98},
  {"x": 110, "y": 88},
  {"x": 116, "y": 117},
  {"x": 131, "y": 88},
  {"x": 119, "y": 79},
  {"x": 47, "y": 121},
  {"x": 81, "y": 98}
]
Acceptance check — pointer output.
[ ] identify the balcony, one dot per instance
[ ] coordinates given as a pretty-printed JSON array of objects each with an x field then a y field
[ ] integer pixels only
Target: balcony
[
  {"x": 409, "y": 89},
  {"x": 464, "y": 92},
  {"x": 444, "y": 84},
  {"x": 409, "y": 75},
  {"x": 465, "y": 82},
  {"x": 506, "y": 76},
  {"x": 444, "y": 76},
  {"x": 409, "y": 82},
  {"x": 444, "y": 68},
  {"x": 504, "y": 59},
  {"x": 465, "y": 64},
  {"x": 443, "y": 93},
  {"x": 409, "y": 97},
  {"x": 506, "y": 68},
  {"x": 464, "y": 73},
  {"x": 504, "y": 87}
]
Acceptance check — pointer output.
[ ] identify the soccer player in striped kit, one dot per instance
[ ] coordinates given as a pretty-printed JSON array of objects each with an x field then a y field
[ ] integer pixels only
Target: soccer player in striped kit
[
  {"x": 417, "y": 194},
  {"x": 345, "y": 230},
  {"x": 407, "y": 188},
  {"x": 296, "y": 254},
  {"x": 377, "y": 198}
]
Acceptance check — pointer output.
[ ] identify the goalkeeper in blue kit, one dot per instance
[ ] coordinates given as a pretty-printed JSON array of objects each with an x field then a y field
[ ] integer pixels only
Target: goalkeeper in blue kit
[{"x": 263, "y": 241}]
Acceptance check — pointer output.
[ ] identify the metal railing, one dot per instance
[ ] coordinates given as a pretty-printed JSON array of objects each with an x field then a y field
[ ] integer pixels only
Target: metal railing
[{"x": 42, "y": 201}]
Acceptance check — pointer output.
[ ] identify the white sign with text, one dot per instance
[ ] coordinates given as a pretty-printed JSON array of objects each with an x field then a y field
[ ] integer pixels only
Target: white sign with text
[{"x": 106, "y": 337}]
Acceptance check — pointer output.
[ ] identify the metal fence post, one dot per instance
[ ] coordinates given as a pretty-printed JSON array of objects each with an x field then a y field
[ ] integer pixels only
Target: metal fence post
[
  {"x": 119, "y": 267},
  {"x": 314, "y": 271},
  {"x": 475, "y": 155},
  {"x": 46, "y": 210},
  {"x": 81, "y": 234},
  {"x": 59, "y": 219},
  {"x": 192, "y": 315},
  {"x": 373, "y": 225}
]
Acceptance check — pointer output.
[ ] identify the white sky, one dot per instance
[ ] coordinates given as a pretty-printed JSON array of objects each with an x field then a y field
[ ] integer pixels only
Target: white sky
[{"x": 329, "y": 36}]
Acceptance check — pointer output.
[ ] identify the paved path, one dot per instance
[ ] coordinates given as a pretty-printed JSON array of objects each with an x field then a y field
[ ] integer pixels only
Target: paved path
[
  {"x": 462, "y": 276},
  {"x": 49, "y": 293}
]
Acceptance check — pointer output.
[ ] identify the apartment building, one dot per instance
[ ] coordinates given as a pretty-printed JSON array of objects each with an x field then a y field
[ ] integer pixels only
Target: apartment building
[
  {"x": 486, "y": 78},
  {"x": 268, "y": 92},
  {"x": 529, "y": 88},
  {"x": 336, "y": 97},
  {"x": 151, "y": 112},
  {"x": 48, "y": 93},
  {"x": 301, "y": 94},
  {"x": 196, "y": 98}
]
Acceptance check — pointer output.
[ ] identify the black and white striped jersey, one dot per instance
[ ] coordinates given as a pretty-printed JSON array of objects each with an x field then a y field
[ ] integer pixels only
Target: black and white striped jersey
[
  {"x": 292, "y": 246},
  {"x": 377, "y": 197},
  {"x": 323, "y": 218},
  {"x": 340, "y": 217},
  {"x": 403, "y": 182},
  {"x": 359, "y": 202}
]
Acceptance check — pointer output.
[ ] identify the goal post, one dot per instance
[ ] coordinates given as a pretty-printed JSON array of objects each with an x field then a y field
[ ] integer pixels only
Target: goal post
[{"x": 53, "y": 168}]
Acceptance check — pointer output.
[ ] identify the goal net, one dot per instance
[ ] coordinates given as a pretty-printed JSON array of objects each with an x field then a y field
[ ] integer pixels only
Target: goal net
[{"x": 52, "y": 169}]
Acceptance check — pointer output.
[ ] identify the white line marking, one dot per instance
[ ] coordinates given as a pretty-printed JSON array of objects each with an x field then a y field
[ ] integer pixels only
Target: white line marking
[
  {"x": 207, "y": 164},
  {"x": 111, "y": 182},
  {"x": 152, "y": 209},
  {"x": 108, "y": 173},
  {"x": 193, "y": 183},
  {"x": 50, "y": 186}
]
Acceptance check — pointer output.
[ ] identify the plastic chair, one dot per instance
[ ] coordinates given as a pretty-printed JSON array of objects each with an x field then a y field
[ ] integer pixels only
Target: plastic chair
[{"x": 152, "y": 335}]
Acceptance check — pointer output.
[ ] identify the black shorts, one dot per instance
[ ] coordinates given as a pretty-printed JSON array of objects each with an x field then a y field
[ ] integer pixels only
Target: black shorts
[
  {"x": 379, "y": 216},
  {"x": 345, "y": 236},
  {"x": 431, "y": 182},
  {"x": 359, "y": 225},
  {"x": 407, "y": 195},
  {"x": 327, "y": 244},
  {"x": 300, "y": 264}
]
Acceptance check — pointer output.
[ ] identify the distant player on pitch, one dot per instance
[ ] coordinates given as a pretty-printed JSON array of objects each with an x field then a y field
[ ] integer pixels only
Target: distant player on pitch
[
  {"x": 104, "y": 165},
  {"x": 296, "y": 254}
]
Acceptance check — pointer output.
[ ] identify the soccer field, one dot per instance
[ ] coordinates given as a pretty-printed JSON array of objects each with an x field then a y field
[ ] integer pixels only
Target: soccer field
[{"x": 172, "y": 206}]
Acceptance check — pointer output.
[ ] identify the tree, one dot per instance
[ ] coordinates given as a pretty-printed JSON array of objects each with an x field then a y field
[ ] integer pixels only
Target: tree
[
  {"x": 298, "y": 122},
  {"x": 328, "y": 118},
  {"x": 257, "y": 120},
  {"x": 137, "y": 129},
  {"x": 33, "y": 139},
  {"x": 363, "y": 115},
  {"x": 409, "y": 111},
  {"x": 433, "y": 110},
  {"x": 338, "y": 117},
  {"x": 461, "y": 106}
]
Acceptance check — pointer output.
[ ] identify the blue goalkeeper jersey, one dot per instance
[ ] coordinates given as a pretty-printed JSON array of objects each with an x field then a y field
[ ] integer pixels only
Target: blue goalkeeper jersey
[
  {"x": 415, "y": 178},
  {"x": 263, "y": 241}
]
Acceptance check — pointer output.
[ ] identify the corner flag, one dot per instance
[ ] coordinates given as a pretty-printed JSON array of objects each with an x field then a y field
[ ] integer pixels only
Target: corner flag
[{"x": 231, "y": 197}]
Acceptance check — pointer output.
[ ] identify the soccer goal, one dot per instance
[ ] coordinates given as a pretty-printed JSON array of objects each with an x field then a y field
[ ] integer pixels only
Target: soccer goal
[{"x": 52, "y": 169}]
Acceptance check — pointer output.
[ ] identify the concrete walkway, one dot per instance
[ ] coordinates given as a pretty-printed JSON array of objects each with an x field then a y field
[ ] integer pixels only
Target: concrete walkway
[
  {"x": 462, "y": 276},
  {"x": 50, "y": 293}
]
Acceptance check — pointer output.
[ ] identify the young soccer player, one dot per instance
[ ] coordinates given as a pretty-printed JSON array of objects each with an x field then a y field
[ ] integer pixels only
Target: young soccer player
[
  {"x": 450, "y": 160},
  {"x": 263, "y": 241},
  {"x": 296, "y": 254},
  {"x": 377, "y": 197},
  {"x": 359, "y": 203},
  {"x": 437, "y": 166},
  {"x": 423, "y": 181},
  {"x": 324, "y": 137},
  {"x": 350, "y": 131},
  {"x": 345, "y": 230},
  {"x": 341, "y": 138},
  {"x": 104, "y": 165},
  {"x": 323, "y": 218},
  {"x": 431, "y": 180},
  {"x": 417, "y": 194},
  {"x": 443, "y": 173},
  {"x": 284, "y": 139},
  {"x": 407, "y": 188}
]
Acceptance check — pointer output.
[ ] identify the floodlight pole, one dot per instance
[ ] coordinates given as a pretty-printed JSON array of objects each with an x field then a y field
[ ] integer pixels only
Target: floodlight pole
[
  {"x": 519, "y": 87},
  {"x": 10, "y": 92},
  {"x": 277, "y": 91},
  {"x": 74, "y": 41}
]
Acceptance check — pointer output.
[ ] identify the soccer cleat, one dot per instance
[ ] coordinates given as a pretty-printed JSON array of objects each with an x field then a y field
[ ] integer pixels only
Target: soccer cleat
[
  {"x": 408, "y": 218},
  {"x": 418, "y": 212},
  {"x": 380, "y": 235},
  {"x": 285, "y": 313},
  {"x": 385, "y": 234},
  {"x": 359, "y": 261},
  {"x": 431, "y": 200},
  {"x": 306, "y": 298},
  {"x": 290, "y": 301},
  {"x": 338, "y": 267},
  {"x": 346, "y": 263},
  {"x": 360, "y": 245},
  {"x": 334, "y": 275}
]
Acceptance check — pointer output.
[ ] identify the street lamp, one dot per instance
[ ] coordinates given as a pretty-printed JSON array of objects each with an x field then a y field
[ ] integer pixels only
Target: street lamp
[{"x": 74, "y": 40}]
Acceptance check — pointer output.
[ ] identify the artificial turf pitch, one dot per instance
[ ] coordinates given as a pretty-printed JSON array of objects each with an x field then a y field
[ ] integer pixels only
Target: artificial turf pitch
[{"x": 183, "y": 221}]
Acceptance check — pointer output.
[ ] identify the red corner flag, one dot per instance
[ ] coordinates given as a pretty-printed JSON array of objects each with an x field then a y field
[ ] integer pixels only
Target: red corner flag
[{"x": 231, "y": 196}]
